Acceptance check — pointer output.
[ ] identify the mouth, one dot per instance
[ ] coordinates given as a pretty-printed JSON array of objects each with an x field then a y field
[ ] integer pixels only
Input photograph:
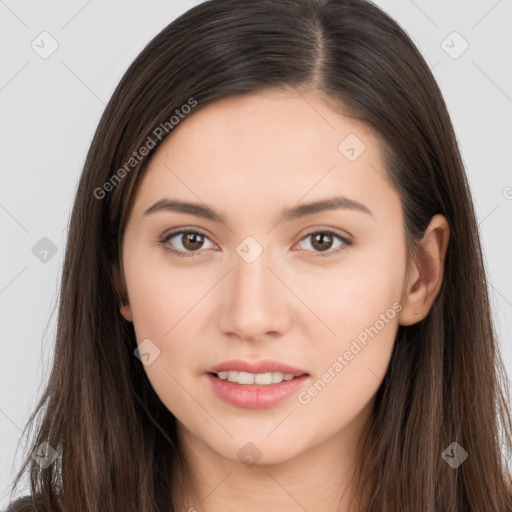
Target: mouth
[
  {"x": 255, "y": 391},
  {"x": 259, "y": 379}
]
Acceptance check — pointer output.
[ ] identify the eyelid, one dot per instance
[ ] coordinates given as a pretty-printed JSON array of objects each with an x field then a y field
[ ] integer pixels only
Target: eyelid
[
  {"x": 347, "y": 241},
  {"x": 166, "y": 237},
  {"x": 327, "y": 229}
]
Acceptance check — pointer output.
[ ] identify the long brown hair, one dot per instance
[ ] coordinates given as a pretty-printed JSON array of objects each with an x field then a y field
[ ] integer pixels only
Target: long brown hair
[{"x": 116, "y": 442}]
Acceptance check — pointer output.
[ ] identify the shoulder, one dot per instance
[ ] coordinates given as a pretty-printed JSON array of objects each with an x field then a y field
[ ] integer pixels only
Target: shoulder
[{"x": 29, "y": 504}]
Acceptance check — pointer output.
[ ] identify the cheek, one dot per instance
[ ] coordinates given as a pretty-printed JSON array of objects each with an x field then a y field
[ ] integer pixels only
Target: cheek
[
  {"x": 355, "y": 295},
  {"x": 350, "y": 367},
  {"x": 160, "y": 292},
  {"x": 360, "y": 305},
  {"x": 164, "y": 303}
]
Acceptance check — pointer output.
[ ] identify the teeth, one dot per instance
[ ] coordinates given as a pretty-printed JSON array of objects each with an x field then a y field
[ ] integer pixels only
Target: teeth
[
  {"x": 245, "y": 378},
  {"x": 262, "y": 378},
  {"x": 255, "y": 378},
  {"x": 277, "y": 377}
]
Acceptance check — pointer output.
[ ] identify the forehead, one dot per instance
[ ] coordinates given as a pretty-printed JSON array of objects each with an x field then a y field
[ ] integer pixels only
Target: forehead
[
  {"x": 304, "y": 123},
  {"x": 274, "y": 146}
]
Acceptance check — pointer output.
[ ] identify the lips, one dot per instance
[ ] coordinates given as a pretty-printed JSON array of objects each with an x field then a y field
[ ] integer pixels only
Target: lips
[
  {"x": 264, "y": 366},
  {"x": 252, "y": 396}
]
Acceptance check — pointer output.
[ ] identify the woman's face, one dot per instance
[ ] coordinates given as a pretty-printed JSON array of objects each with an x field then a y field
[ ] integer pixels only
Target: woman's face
[{"x": 266, "y": 283}]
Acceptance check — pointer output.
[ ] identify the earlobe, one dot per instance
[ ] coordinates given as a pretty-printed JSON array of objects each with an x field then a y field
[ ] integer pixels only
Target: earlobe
[
  {"x": 427, "y": 270},
  {"x": 125, "y": 308},
  {"x": 126, "y": 311}
]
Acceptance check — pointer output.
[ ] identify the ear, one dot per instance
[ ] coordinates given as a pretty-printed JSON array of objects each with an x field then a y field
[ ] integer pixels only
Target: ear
[
  {"x": 425, "y": 275},
  {"x": 119, "y": 282}
]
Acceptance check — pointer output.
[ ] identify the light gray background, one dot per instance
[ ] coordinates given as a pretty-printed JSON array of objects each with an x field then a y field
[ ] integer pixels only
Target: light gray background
[{"x": 50, "y": 109}]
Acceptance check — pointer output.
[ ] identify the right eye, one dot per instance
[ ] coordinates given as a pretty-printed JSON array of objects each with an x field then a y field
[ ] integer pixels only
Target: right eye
[{"x": 191, "y": 243}]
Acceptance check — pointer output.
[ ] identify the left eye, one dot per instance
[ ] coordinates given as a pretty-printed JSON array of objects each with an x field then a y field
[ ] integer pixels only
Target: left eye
[
  {"x": 323, "y": 240},
  {"x": 194, "y": 240}
]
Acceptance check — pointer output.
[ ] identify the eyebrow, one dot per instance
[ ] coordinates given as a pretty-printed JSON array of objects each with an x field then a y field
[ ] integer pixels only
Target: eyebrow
[{"x": 199, "y": 210}]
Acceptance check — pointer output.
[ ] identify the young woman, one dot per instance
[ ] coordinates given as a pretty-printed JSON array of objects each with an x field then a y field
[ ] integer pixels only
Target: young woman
[{"x": 273, "y": 296}]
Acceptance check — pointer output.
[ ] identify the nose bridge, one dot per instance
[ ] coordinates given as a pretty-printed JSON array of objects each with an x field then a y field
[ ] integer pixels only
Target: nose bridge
[
  {"x": 255, "y": 302},
  {"x": 251, "y": 277}
]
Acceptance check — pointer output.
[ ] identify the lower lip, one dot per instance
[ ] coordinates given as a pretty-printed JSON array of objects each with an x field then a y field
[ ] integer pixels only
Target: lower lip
[{"x": 255, "y": 396}]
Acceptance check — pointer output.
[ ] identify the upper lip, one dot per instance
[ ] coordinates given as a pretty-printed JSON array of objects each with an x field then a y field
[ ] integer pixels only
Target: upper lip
[{"x": 264, "y": 366}]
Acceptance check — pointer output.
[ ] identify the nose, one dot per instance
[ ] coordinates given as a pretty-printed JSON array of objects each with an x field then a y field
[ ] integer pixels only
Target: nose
[{"x": 255, "y": 303}]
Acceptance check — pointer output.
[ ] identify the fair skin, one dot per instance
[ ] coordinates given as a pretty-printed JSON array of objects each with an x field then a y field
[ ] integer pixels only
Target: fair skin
[{"x": 250, "y": 158}]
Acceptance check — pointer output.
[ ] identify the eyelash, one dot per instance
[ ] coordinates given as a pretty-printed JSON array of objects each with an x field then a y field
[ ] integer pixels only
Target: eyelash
[{"x": 165, "y": 240}]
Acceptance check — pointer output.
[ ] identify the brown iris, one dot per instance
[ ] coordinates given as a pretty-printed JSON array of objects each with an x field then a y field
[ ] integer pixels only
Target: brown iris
[
  {"x": 192, "y": 241},
  {"x": 318, "y": 241}
]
